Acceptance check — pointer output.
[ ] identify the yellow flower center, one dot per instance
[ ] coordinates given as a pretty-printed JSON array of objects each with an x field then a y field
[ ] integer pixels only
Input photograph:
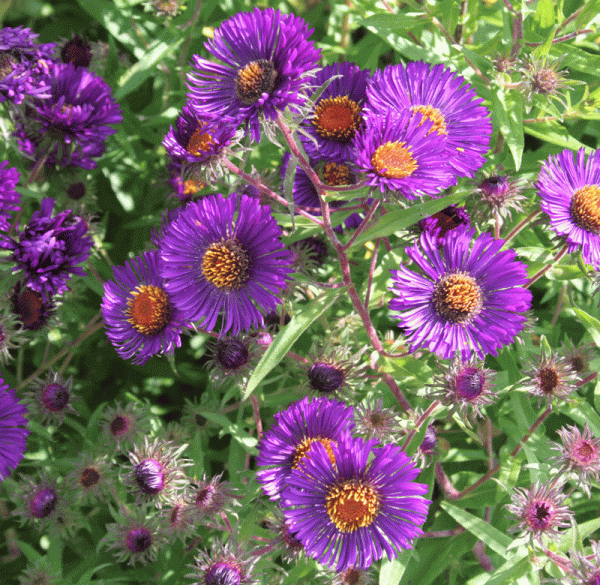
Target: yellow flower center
[
  {"x": 254, "y": 79},
  {"x": 433, "y": 115},
  {"x": 149, "y": 309},
  {"x": 199, "y": 142},
  {"x": 303, "y": 447},
  {"x": 457, "y": 298},
  {"x": 337, "y": 118},
  {"x": 352, "y": 504},
  {"x": 585, "y": 208},
  {"x": 394, "y": 160},
  {"x": 226, "y": 265},
  {"x": 335, "y": 174}
]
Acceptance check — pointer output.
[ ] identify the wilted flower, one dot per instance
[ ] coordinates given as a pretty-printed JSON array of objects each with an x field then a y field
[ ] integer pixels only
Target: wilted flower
[
  {"x": 208, "y": 498},
  {"x": 49, "y": 250},
  {"x": 586, "y": 568},
  {"x": 135, "y": 538},
  {"x": 444, "y": 221},
  {"x": 578, "y": 356},
  {"x": 231, "y": 358},
  {"x": 464, "y": 385},
  {"x": 226, "y": 565},
  {"x": 550, "y": 377},
  {"x": 76, "y": 51},
  {"x": 10, "y": 199},
  {"x": 501, "y": 194},
  {"x": 90, "y": 479},
  {"x": 10, "y": 335},
  {"x": 31, "y": 309},
  {"x": 579, "y": 454},
  {"x": 377, "y": 422},
  {"x": 124, "y": 425},
  {"x": 540, "y": 510},
  {"x": 544, "y": 78},
  {"x": 71, "y": 126}
]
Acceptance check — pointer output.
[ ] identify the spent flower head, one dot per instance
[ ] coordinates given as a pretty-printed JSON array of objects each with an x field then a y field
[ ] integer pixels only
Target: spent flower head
[
  {"x": 224, "y": 564},
  {"x": 374, "y": 421},
  {"x": 51, "y": 399},
  {"x": 579, "y": 455},
  {"x": 540, "y": 510},
  {"x": 124, "y": 425},
  {"x": 550, "y": 377}
]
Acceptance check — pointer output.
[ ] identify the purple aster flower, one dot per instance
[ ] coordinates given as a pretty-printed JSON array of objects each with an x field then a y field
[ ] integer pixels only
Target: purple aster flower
[
  {"x": 303, "y": 423},
  {"x": 400, "y": 154},
  {"x": 9, "y": 198},
  {"x": 13, "y": 430},
  {"x": 570, "y": 192},
  {"x": 443, "y": 97},
  {"x": 71, "y": 125},
  {"x": 470, "y": 299},
  {"x": 444, "y": 221},
  {"x": 49, "y": 249},
  {"x": 198, "y": 138},
  {"x": 22, "y": 65},
  {"x": 141, "y": 319},
  {"x": 337, "y": 115},
  {"x": 350, "y": 512},
  {"x": 222, "y": 256},
  {"x": 266, "y": 58}
]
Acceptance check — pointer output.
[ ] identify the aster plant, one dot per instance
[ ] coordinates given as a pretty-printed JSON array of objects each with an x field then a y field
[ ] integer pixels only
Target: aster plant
[{"x": 13, "y": 430}]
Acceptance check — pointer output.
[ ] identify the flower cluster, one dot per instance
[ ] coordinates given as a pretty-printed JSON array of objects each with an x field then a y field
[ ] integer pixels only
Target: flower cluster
[{"x": 346, "y": 500}]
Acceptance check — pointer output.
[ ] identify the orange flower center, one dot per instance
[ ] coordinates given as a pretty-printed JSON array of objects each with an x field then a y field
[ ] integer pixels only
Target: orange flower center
[
  {"x": 226, "y": 265},
  {"x": 433, "y": 115},
  {"x": 199, "y": 142},
  {"x": 585, "y": 208},
  {"x": 394, "y": 160},
  {"x": 457, "y": 298},
  {"x": 337, "y": 118},
  {"x": 149, "y": 309},
  {"x": 253, "y": 80},
  {"x": 335, "y": 174},
  {"x": 352, "y": 504},
  {"x": 304, "y": 445}
]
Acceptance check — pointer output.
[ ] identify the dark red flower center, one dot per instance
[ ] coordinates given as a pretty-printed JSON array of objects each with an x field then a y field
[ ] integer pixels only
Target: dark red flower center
[
  {"x": 394, "y": 160},
  {"x": 352, "y": 504},
  {"x": 76, "y": 51},
  {"x": 89, "y": 477},
  {"x": 76, "y": 191},
  {"x": 119, "y": 425},
  {"x": 337, "y": 118},
  {"x": 255, "y": 79},
  {"x": 540, "y": 515},
  {"x": 549, "y": 379},
  {"x": 149, "y": 309}
]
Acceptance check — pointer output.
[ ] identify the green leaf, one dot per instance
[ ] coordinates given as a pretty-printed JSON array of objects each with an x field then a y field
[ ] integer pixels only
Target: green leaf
[
  {"x": 400, "y": 219},
  {"x": 288, "y": 335},
  {"x": 491, "y": 536},
  {"x": 142, "y": 70},
  {"x": 554, "y": 133},
  {"x": 591, "y": 324},
  {"x": 510, "y": 571},
  {"x": 386, "y": 25},
  {"x": 585, "y": 413},
  {"x": 508, "y": 111},
  {"x": 391, "y": 571},
  {"x": 544, "y": 14},
  {"x": 576, "y": 58}
]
